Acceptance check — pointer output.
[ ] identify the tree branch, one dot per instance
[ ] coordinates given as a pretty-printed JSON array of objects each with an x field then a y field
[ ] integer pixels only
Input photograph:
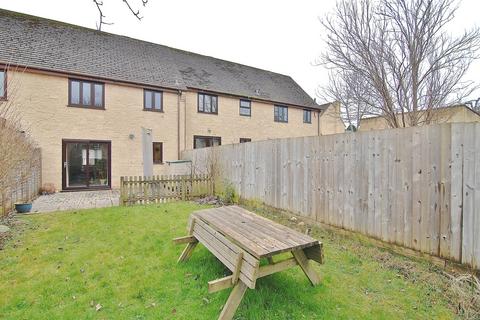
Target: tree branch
[{"x": 99, "y": 4}]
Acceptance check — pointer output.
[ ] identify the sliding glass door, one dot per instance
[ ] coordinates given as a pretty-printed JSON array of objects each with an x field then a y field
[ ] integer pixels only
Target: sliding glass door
[{"x": 86, "y": 164}]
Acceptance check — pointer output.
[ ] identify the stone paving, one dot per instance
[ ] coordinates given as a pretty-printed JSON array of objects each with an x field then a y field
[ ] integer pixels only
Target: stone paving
[{"x": 76, "y": 200}]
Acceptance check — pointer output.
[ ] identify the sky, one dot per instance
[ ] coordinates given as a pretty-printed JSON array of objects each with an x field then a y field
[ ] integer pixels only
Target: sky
[{"x": 281, "y": 36}]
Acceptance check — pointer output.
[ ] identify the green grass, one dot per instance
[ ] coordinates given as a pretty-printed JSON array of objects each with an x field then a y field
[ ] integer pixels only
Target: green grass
[{"x": 63, "y": 264}]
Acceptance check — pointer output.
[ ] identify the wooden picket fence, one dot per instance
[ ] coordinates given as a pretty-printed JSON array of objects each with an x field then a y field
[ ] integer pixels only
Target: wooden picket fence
[{"x": 165, "y": 188}]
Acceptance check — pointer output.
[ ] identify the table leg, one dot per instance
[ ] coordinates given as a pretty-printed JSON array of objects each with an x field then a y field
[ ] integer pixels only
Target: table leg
[
  {"x": 187, "y": 252},
  {"x": 233, "y": 301},
  {"x": 304, "y": 263}
]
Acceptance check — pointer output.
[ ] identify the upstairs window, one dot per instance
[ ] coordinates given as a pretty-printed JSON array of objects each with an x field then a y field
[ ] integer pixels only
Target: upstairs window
[
  {"x": 86, "y": 94},
  {"x": 307, "y": 116},
  {"x": 207, "y": 103},
  {"x": 280, "y": 114},
  {"x": 157, "y": 152},
  {"x": 245, "y": 108},
  {"x": 3, "y": 84},
  {"x": 152, "y": 100},
  {"x": 243, "y": 140},
  {"x": 206, "y": 141}
]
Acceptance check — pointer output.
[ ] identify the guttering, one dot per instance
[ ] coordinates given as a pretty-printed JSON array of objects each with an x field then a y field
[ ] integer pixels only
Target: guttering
[{"x": 83, "y": 76}]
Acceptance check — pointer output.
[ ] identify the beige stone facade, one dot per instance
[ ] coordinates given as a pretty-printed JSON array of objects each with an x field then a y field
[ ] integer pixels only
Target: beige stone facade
[
  {"x": 331, "y": 120},
  {"x": 441, "y": 115},
  {"x": 42, "y": 99}
]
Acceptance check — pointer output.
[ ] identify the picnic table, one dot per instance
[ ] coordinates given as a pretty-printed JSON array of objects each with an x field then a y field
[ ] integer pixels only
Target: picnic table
[{"x": 240, "y": 239}]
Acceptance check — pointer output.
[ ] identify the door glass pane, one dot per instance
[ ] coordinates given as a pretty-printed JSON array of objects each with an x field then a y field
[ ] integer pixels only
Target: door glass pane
[
  {"x": 98, "y": 88},
  {"x": 86, "y": 94},
  {"x": 76, "y": 169},
  {"x": 75, "y": 92},
  {"x": 98, "y": 161}
]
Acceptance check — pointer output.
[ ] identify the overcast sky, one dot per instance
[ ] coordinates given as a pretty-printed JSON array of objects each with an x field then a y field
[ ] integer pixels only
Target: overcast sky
[{"x": 278, "y": 35}]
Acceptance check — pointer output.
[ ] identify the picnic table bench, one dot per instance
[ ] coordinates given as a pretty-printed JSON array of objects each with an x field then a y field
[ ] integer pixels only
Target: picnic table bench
[{"x": 239, "y": 239}]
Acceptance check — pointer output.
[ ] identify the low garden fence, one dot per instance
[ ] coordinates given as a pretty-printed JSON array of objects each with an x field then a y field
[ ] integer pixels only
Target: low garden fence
[{"x": 164, "y": 188}]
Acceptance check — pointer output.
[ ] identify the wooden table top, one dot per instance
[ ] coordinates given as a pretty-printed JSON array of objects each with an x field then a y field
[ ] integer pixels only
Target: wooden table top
[{"x": 257, "y": 235}]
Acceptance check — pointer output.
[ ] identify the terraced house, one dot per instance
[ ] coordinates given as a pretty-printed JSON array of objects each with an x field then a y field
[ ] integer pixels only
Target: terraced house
[{"x": 102, "y": 105}]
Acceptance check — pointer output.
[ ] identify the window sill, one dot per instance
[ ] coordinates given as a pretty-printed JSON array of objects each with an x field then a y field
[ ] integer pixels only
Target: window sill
[
  {"x": 84, "y": 107},
  {"x": 153, "y": 110},
  {"x": 280, "y": 121},
  {"x": 213, "y": 113},
  {"x": 246, "y": 115},
  {"x": 159, "y": 163}
]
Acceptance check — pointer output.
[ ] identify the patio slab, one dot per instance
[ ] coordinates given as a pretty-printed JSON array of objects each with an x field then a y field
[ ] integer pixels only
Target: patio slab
[{"x": 76, "y": 200}]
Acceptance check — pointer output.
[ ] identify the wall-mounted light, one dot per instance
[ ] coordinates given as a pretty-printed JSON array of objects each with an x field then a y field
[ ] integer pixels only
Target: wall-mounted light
[{"x": 131, "y": 136}]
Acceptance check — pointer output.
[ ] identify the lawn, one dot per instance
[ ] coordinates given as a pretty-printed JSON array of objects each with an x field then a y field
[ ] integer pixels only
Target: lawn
[{"x": 120, "y": 263}]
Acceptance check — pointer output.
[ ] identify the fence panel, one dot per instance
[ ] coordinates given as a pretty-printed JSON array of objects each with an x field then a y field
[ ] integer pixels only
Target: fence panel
[
  {"x": 414, "y": 187},
  {"x": 165, "y": 188},
  {"x": 23, "y": 184}
]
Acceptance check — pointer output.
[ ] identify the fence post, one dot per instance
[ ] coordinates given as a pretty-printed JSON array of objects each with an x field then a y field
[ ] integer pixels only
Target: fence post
[
  {"x": 184, "y": 187},
  {"x": 122, "y": 190}
]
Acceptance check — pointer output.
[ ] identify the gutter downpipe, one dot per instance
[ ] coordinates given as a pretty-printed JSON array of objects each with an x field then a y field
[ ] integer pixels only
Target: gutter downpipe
[
  {"x": 318, "y": 123},
  {"x": 179, "y": 93}
]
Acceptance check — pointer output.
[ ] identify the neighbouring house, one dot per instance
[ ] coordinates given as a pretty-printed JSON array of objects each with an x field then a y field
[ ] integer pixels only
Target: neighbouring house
[
  {"x": 457, "y": 113},
  {"x": 101, "y": 105}
]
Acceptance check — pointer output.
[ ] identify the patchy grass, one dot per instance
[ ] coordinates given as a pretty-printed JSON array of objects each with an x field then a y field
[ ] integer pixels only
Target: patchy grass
[{"x": 122, "y": 261}]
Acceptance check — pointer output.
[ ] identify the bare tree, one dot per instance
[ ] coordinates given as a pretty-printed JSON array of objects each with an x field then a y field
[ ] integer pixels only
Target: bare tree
[
  {"x": 348, "y": 94},
  {"x": 101, "y": 21},
  {"x": 17, "y": 149},
  {"x": 394, "y": 59}
]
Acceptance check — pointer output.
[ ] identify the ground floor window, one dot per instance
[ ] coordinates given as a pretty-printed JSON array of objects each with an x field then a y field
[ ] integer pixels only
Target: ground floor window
[
  {"x": 243, "y": 140},
  {"x": 158, "y": 152},
  {"x": 206, "y": 141}
]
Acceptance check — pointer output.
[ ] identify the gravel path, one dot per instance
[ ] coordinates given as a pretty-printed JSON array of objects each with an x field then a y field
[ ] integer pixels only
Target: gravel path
[{"x": 76, "y": 200}]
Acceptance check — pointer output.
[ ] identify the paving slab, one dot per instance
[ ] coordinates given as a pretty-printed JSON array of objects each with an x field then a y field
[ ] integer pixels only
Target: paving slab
[{"x": 61, "y": 201}]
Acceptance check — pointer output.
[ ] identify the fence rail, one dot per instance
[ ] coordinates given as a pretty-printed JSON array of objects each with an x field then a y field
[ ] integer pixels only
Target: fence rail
[
  {"x": 414, "y": 187},
  {"x": 155, "y": 189}
]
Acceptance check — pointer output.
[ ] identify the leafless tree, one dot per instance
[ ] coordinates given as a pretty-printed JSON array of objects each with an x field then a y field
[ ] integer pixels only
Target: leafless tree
[
  {"x": 394, "y": 59},
  {"x": 17, "y": 149},
  {"x": 348, "y": 94},
  {"x": 101, "y": 21}
]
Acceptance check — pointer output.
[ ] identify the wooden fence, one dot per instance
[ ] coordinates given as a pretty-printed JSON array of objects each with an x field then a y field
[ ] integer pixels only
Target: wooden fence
[
  {"x": 23, "y": 184},
  {"x": 155, "y": 189},
  {"x": 414, "y": 187}
]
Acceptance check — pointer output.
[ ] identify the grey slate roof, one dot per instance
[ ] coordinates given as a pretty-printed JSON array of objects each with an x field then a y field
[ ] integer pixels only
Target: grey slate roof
[{"x": 41, "y": 43}]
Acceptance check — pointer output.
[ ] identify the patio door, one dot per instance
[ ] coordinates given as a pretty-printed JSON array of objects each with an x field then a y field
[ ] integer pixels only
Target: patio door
[{"x": 86, "y": 164}]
